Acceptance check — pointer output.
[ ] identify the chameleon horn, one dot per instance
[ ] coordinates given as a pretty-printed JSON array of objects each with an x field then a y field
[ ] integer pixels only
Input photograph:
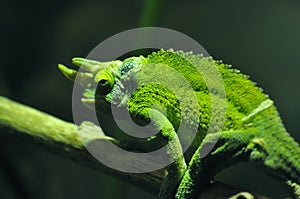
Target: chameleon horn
[
  {"x": 67, "y": 72},
  {"x": 84, "y": 79},
  {"x": 89, "y": 65}
]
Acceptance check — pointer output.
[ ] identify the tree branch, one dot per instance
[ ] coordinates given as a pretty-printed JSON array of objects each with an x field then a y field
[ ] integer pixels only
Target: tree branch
[{"x": 62, "y": 138}]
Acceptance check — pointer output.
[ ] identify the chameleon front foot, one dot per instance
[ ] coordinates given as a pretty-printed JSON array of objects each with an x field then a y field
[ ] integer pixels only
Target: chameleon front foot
[
  {"x": 295, "y": 187},
  {"x": 230, "y": 147},
  {"x": 171, "y": 181}
]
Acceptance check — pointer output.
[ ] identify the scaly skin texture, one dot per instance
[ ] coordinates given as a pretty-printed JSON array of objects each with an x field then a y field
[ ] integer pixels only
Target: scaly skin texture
[{"x": 167, "y": 90}]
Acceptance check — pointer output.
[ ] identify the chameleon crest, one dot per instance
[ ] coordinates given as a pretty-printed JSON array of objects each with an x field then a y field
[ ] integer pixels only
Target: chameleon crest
[{"x": 167, "y": 91}]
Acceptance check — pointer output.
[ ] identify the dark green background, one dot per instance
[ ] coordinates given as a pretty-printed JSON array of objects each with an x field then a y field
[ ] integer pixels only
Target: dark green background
[{"x": 261, "y": 38}]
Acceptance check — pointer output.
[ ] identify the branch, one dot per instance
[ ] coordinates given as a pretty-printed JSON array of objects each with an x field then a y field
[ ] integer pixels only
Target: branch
[{"x": 62, "y": 138}]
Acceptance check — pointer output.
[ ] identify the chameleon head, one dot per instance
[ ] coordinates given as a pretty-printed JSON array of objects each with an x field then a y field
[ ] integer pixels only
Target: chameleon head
[{"x": 103, "y": 81}]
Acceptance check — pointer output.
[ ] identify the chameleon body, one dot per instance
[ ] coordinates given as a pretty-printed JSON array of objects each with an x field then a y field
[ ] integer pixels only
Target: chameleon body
[{"x": 251, "y": 130}]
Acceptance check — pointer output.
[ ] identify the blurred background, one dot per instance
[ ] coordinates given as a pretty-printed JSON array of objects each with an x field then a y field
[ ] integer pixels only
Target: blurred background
[{"x": 261, "y": 38}]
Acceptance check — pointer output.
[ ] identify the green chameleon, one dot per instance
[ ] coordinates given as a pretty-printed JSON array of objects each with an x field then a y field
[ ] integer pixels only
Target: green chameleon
[{"x": 160, "y": 90}]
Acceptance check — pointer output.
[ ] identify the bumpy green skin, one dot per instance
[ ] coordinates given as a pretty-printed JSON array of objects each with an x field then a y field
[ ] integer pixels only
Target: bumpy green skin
[{"x": 252, "y": 131}]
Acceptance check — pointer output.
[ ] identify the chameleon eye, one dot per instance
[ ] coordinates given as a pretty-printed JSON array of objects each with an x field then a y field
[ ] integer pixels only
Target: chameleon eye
[
  {"x": 105, "y": 81},
  {"x": 104, "y": 86}
]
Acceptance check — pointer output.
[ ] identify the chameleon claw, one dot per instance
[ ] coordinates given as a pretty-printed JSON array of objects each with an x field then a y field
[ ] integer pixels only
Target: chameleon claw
[
  {"x": 245, "y": 195},
  {"x": 91, "y": 132},
  {"x": 89, "y": 65}
]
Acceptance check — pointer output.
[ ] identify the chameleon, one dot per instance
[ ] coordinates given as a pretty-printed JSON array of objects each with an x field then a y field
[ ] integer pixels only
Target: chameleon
[{"x": 251, "y": 130}]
